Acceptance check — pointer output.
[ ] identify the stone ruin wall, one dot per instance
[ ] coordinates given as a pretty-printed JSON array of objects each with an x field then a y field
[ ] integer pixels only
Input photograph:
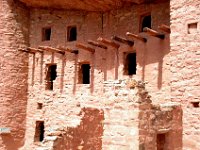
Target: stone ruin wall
[
  {"x": 64, "y": 107},
  {"x": 14, "y": 21},
  {"x": 185, "y": 68}
]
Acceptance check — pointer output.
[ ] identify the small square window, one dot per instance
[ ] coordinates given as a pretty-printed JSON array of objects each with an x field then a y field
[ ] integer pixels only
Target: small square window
[
  {"x": 192, "y": 28},
  {"x": 46, "y": 34},
  {"x": 145, "y": 21},
  {"x": 39, "y": 105},
  {"x": 71, "y": 33}
]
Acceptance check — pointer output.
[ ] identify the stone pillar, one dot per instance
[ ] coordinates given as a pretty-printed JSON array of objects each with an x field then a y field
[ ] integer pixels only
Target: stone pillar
[{"x": 14, "y": 28}]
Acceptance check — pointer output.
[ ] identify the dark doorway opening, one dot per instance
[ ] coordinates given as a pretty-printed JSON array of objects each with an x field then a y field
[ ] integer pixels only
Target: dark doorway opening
[
  {"x": 130, "y": 65},
  {"x": 51, "y": 76},
  {"x": 39, "y": 131},
  {"x": 85, "y": 74},
  {"x": 161, "y": 141}
]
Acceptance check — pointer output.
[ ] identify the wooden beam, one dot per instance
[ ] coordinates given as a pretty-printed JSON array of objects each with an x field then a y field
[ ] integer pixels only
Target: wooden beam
[
  {"x": 165, "y": 28},
  {"x": 97, "y": 44},
  {"x": 25, "y": 50},
  {"x": 47, "y": 48},
  {"x": 154, "y": 33},
  {"x": 68, "y": 50},
  {"x": 34, "y": 50},
  {"x": 85, "y": 47},
  {"x": 123, "y": 40},
  {"x": 135, "y": 36},
  {"x": 108, "y": 42}
]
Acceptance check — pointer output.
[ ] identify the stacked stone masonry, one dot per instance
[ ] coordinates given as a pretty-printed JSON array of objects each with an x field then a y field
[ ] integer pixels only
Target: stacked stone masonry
[{"x": 48, "y": 108}]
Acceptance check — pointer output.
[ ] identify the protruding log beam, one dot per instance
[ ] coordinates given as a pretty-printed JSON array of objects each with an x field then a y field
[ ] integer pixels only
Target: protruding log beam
[
  {"x": 108, "y": 42},
  {"x": 47, "y": 48},
  {"x": 85, "y": 47},
  {"x": 165, "y": 28},
  {"x": 97, "y": 44},
  {"x": 122, "y": 40},
  {"x": 135, "y": 36},
  {"x": 25, "y": 50},
  {"x": 154, "y": 33},
  {"x": 68, "y": 50},
  {"x": 34, "y": 50}
]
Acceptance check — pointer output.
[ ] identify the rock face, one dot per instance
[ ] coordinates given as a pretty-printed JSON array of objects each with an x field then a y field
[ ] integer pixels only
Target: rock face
[{"x": 14, "y": 31}]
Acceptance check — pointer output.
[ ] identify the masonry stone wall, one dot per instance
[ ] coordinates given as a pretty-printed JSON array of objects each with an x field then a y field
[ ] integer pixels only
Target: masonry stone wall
[
  {"x": 67, "y": 108},
  {"x": 152, "y": 57},
  {"x": 14, "y": 29},
  {"x": 185, "y": 66}
]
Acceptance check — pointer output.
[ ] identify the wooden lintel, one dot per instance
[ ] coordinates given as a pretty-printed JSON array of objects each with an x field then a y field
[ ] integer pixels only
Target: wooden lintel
[
  {"x": 123, "y": 40},
  {"x": 135, "y": 36},
  {"x": 154, "y": 33},
  {"x": 97, "y": 44},
  {"x": 85, "y": 47},
  {"x": 68, "y": 50},
  {"x": 47, "y": 48},
  {"x": 165, "y": 28},
  {"x": 26, "y": 51},
  {"x": 108, "y": 42},
  {"x": 34, "y": 50}
]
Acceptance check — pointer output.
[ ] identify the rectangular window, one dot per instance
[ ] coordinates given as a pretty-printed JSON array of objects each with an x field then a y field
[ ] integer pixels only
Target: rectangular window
[
  {"x": 46, "y": 34},
  {"x": 39, "y": 131},
  {"x": 50, "y": 76},
  {"x": 71, "y": 33},
  {"x": 130, "y": 64},
  {"x": 145, "y": 21},
  {"x": 192, "y": 28},
  {"x": 84, "y": 74}
]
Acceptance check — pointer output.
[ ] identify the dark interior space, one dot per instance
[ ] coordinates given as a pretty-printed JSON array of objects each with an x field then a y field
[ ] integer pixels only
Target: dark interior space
[
  {"x": 39, "y": 131},
  {"x": 72, "y": 33},
  {"x": 51, "y": 76}
]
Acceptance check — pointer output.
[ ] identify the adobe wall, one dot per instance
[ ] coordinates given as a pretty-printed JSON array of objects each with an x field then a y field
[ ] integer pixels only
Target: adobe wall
[
  {"x": 185, "y": 60},
  {"x": 66, "y": 109},
  {"x": 14, "y": 73},
  {"x": 152, "y": 57}
]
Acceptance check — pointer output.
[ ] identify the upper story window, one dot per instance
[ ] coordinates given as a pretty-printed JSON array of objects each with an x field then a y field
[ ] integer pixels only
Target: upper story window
[
  {"x": 46, "y": 34},
  {"x": 71, "y": 33},
  {"x": 145, "y": 22}
]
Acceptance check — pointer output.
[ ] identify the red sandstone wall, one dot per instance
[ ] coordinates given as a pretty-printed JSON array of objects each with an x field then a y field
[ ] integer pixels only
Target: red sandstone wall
[
  {"x": 185, "y": 68},
  {"x": 14, "y": 73},
  {"x": 152, "y": 57},
  {"x": 61, "y": 109}
]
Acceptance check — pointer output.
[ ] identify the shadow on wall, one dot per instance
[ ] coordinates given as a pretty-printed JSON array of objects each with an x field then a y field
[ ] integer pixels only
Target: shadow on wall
[{"x": 87, "y": 136}]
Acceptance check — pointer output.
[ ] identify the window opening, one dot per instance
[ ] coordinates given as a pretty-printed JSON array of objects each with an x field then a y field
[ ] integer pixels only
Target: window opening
[
  {"x": 84, "y": 74},
  {"x": 192, "y": 28},
  {"x": 145, "y": 22},
  {"x": 46, "y": 34},
  {"x": 130, "y": 65},
  {"x": 51, "y": 76},
  {"x": 161, "y": 141},
  {"x": 39, "y": 131},
  {"x": 72, "y": 33},
  {"x": 39, "y": 105}
]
